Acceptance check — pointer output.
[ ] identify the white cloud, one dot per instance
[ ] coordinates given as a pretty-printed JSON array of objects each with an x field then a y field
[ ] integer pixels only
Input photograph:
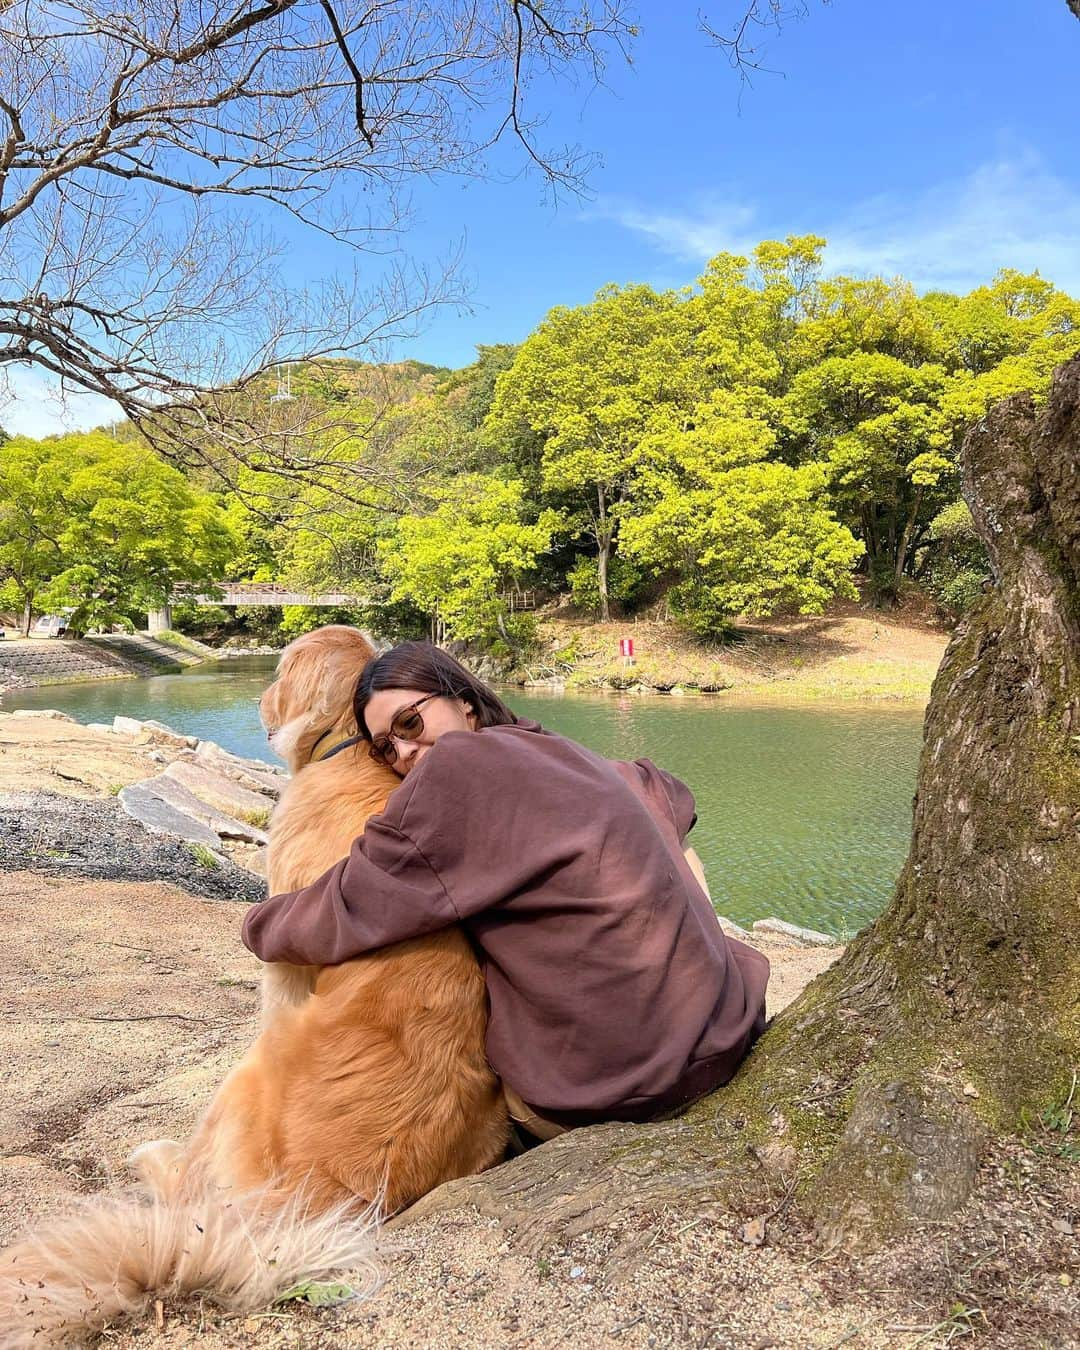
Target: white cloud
[
  {"x": 32, "y": 403},
  {"x": 1009, "y": 213}
]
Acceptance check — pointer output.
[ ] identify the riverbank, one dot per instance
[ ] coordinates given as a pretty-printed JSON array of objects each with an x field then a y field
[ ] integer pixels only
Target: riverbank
[
  {"x": 123, "y": 1007},
  {"x": 850, "y": 653},
  {"x": 134, "y": 800},
  {"x": 30, "y": 663}
]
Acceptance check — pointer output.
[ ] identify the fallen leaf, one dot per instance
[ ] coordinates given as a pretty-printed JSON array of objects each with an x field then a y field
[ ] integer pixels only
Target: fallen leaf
[
  {"x": 1062, "y": 1226},
  {"x": 753, "y": 1232},
  {"x": 319, "y": 1294},
  {"x": 970, "y": 1090}
]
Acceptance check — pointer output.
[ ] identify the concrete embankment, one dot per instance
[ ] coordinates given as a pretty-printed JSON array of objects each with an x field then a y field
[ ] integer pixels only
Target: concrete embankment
[{"x": 27, "y": 663}]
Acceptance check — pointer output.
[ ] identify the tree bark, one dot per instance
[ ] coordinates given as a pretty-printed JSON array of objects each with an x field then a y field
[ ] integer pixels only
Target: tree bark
[
  {"x": 603, "y": 540},
  {"x": 956, "y": 1015},
  {"x": 905, "y": 541}
]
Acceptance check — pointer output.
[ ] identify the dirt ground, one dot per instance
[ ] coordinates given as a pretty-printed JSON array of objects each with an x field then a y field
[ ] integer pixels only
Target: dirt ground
[
  {"x": 122, "y": 1005},
  {"x": 852, "y": 652},
  {"x": 64, "y": 756}
]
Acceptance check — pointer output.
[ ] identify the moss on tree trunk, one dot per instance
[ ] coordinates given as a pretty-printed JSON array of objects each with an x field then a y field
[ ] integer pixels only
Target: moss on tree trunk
[{"x": 956, "y": 1016}]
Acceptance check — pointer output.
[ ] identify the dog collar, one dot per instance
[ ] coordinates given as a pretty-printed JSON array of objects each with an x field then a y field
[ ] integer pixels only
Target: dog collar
[{"x": 327, "y": 754}]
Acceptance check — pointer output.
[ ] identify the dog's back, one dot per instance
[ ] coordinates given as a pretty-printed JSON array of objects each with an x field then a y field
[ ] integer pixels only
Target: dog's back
[
  {"x": 322, "y": 810},
  {"x": 381, "y": 1075}
]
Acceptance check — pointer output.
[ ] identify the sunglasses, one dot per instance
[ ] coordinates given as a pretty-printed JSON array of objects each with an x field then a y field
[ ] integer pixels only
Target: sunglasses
[{"x": 407, "y": 725}]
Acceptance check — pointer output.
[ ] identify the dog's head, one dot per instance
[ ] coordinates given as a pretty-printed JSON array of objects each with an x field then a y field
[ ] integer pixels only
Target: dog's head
[{"x": 312, "y": 692}]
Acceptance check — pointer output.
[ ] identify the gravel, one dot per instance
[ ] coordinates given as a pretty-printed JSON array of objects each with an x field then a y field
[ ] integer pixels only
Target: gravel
[{"x": 68, "y": 836}]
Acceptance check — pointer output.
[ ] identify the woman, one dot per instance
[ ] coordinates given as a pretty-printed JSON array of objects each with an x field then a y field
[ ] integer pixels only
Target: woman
[{"x": 614, "y": 993}]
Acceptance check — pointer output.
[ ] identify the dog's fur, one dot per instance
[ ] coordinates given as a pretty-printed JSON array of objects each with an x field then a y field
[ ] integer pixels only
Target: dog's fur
[{"x": 367, "y": 1087}]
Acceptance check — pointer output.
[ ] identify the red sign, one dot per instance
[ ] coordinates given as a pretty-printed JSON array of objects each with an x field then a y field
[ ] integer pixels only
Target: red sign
[{"x": 626, "y": 646}]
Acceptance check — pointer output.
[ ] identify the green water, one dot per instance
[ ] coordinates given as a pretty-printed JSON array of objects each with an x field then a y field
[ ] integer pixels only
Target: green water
[{"x": 803, "y": 812}]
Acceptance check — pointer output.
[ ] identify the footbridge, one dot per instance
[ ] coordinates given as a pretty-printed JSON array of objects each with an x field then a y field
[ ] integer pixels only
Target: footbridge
[{"x": 232, "y": 593}]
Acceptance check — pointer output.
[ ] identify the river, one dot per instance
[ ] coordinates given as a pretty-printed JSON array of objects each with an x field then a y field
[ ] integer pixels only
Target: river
[{"x": 804, "y": 812}]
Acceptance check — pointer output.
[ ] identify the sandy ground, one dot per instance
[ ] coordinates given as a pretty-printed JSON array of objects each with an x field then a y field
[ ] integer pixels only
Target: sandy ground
[
  {"x": 121, "y": 1007},
  {"x": 123, "y": 1003},
  {"x": 65, "y": 756}
]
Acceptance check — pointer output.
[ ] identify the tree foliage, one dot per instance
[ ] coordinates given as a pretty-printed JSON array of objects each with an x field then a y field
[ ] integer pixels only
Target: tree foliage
[
  {"x": 748, "y": 444},
  {"x": 103, "y": 529}
]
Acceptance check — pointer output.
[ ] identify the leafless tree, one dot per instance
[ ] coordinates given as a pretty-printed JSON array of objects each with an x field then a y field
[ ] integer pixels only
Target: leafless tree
[
  {"x": 159, "y": 157},
  {"x": 743, "y": 39}
]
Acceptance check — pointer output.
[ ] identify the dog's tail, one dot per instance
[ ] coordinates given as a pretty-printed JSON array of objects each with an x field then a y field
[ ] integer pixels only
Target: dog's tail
[{"x": 77, "y": 1274}]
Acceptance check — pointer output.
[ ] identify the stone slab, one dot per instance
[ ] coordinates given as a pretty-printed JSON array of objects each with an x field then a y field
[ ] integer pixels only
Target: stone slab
[
  {"x": 226, "y": 827},
  {"x": 159, "y": 817},
  {"x": 218, "y": 790},
  {"x": 731, "y": 928},
  {"x": 153, "y": 733},
  {"x": 249, "y": 773},
  {"x": 50, "y": 713},
  {"x": 809, "y": 937}
]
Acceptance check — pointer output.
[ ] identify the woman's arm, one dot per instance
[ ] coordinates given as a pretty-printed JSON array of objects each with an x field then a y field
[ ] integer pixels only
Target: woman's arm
[
  {"x": 384, "y": 892},
  {"x": 698, "y": 870}
]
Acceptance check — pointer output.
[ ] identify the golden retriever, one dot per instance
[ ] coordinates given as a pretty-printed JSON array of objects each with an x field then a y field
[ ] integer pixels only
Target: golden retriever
[{"x": 368, "y": 1085}]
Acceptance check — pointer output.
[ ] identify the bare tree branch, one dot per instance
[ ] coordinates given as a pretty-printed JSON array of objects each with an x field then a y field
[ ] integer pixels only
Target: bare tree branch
[
  {"x": 160, "y": 163},
  {"x": 743, "y": 42}
]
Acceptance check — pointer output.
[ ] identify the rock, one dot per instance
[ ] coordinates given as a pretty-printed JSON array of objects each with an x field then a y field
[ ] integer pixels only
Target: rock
[
  {"x": 732, "y": 929},
  {"x": 153, "y": 733},
  {"x": 50, "y": 713},
  {"x": 807, "y": 936},
  {"x": 159, "y": 817},
  {"x": 100, "y": 727},
  {"x": 168, "y": 736},
  {"x": 183, "y": 799},
  {"x": 216, "y": 788},
  {"x": 249, "y": 773}
]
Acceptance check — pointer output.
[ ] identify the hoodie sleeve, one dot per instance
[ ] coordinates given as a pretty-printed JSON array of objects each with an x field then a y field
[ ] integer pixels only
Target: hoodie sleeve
[
  {"x": 668, "y": 795},
  {"x": 384, "y": 892}
]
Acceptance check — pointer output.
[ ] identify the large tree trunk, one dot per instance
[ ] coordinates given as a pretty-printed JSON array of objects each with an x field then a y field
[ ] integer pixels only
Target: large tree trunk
[{"x": 957, "y": 1014}]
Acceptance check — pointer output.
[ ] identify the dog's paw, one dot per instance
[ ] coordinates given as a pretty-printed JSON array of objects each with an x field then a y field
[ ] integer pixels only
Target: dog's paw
[{"x": 157, "y": 1164}]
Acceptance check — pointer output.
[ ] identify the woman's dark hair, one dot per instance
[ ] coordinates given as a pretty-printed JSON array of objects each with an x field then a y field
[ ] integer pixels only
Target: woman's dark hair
[{"x": 423, "y": 666}]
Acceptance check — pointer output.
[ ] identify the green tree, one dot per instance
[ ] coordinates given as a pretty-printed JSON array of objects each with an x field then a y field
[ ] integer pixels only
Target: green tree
[
  {"x": 739, "y": 536},
  {"x": 592, "y": 381},
  {"x": 876, "y": 422},
  {"x": 32, "y": 520},
  {"x": 955, "y": 567},
  {"x": 132, "y": 527},
  {"x": 453, "y": 563}
]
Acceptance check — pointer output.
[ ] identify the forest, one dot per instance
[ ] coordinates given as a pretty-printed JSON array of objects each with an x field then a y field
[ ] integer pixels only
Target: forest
[{"x": 753, "y": 443}]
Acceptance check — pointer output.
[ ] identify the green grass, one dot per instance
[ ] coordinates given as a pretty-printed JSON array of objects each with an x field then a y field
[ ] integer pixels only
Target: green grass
[
  {"x": 259, "y": 817},
  {"x": 205, "y": 857}
]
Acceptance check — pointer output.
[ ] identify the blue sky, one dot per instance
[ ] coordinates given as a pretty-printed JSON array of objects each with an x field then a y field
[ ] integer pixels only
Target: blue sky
[{"x": 937, "y": 140}]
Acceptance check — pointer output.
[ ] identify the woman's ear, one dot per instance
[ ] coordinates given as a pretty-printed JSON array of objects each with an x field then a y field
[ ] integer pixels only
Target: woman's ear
[{"x": 470, "y": 714}]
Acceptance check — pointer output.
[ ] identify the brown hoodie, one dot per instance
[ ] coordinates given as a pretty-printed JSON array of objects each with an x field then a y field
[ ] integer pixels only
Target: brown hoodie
[{"x": 614, "y": 993}]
